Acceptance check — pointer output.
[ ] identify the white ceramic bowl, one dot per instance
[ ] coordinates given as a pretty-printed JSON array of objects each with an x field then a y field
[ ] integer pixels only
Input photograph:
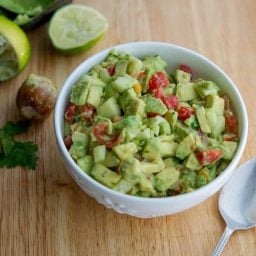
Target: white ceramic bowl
[{"x": 152, "y": 207}]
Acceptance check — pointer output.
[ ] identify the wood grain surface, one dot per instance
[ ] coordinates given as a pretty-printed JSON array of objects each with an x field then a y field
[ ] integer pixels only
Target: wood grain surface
[{"x": 44, "y": 212}]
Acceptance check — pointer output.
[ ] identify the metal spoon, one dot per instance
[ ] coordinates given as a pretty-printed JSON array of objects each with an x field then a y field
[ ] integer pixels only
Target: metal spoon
[{"x": 237, "y": 202}]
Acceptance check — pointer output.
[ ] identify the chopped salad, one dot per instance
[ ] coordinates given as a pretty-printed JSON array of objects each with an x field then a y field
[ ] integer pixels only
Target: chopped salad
[{"x": 141, "y": 131}]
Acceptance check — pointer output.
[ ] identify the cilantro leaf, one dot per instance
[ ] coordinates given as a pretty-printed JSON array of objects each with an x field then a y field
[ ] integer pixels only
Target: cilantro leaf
[
  {"x": 22, "y": 154},
  {"x": 16, "y": 128},
  {"x": 6, "y": 141},
  {"x": 14, "y": 153}
]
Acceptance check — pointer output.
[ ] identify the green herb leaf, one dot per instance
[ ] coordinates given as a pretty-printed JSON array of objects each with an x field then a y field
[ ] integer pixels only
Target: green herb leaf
[
  {"x": 14, "y": 153},
  {"x": 6, "y": 141},
  {"x": 22, "y": 154},
  {"x": 16, "y": 128}
]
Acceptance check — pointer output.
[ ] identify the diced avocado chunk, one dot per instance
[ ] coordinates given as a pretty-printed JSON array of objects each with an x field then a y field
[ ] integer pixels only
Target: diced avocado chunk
[
  {"x": 181, "y": 130},
  {"x": 146, "y": 185},
  {"x": 92, "y": 81},
  {"x": 205, "y": 88},
  {"x": 152, "y": 167},
  {"x": 154, "y": 105},
  {"x": 151, "y": 150},
  {"x": 109, "y": 108},
  {"x": 126, "y": 97},
  {"x": 185, "y": 147},
  {"x": 155, "y": 63},
  {"x": 134, "y": 66},
  {"x": 153, "y": 125},
  {"x": 167, "y": 148},
  {"x": 204, "y": 176},
  {"x": 228, "y": 149},
  {"x": 170, "y": 162},
  {"x": 79, "y": 93},
  {"x": 102, "y": 74},
  {"x": 136, "y": 107},
  {"x": 111, "y": 160},
  {"x": 94, "y": 96},
  {"x": 192, "y": 163},
  {"x": 130, "y": 170},
  {"x": 201, "y": 117},
  {"x": 192, "y": 122},
  {"x": 166, "y": 179},
  {"x": 216, "y": 103},
  {"x": 105, "y": 175},
  {"x": 130, "y": 126},
  {"x": 99, "y": 153},
  {"x": 80, "y": 145},
  {"x": 164, "y": 127},
  {"x": 86, "y": 163},
  {"x": 123, "y": 186},
  {"x": 215, "y": 122},
  {"x": 181, "y": 76},
  {"x": 126, "y": 150},
  {"x": 171, "y": 116},
  {"x": 120, "y": 68},
  {"x": 111, "y": 92},
  {"x": 123, "y": 83},
  {"x": 186, "y": 91},
  {"x": 188, "y": 180}
]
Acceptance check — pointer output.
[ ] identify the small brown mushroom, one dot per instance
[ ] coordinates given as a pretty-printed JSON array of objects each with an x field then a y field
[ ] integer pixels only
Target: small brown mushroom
[{"x": 36, "y": 98}]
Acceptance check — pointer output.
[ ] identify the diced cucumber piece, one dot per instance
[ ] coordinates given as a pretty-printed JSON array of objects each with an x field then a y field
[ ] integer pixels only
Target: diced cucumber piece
[
  {"x": 124, "y": 82},
  {"x": 86, "y": 163},
  {"x": 99, "y": 153},
  {"x": 125, "y": 150},
  {"x": 79, "y": 94},
  {"x": 166, "y": 179},
  {"x": 80, "y": 145},
  {"x": 181, "y": 76},
  {"x": 186, "y": 91},
  {"x": 201, "y": 117},
  {"x": 123, "y": 186},
  {"x": 109, "y": 108},
  {"x": 94, "y": 96},
  {"x": 105, "y": 175}
]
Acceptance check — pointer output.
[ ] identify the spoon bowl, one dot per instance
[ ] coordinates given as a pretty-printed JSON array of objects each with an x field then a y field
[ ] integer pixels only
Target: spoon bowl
[{"x": 237, "y": 202}]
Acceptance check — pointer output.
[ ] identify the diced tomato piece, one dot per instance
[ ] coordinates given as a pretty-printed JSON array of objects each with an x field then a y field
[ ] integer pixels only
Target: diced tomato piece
[
  {"x": 230, "y": 137},
  {"x": 159, "y": 93},
  {"x": 208, "y": 156},
  {"x": 159, "y": 79},
  {"x": 68, "y": 141},
  {"x": 111, "y": 69},
  {"x": 100, "y": 132},
  {"x": 141, "y": 74},
  {"x": 226, "y": 102},
  {"x": 87, "y": 113},
  {"x": 70, "y": 112},
  {"x": 149, "y": 115},
  {"x": 186, "y": 68},
  {"x": 231, "y": 123},
  {"x": 113, "y": 141},
  {"x": 171, "y": 101},
  {"x": 185, "y": 112}
]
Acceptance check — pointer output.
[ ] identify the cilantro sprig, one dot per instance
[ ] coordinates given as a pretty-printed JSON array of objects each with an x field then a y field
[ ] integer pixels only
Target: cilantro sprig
[{"x": 15, "y": 153}]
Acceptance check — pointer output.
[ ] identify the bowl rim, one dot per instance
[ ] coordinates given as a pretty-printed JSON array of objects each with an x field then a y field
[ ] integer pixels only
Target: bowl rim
[{"x": 75, "y": 168}]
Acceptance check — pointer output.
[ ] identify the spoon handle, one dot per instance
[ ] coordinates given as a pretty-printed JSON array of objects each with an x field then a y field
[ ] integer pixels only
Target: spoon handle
[{"x": 224, "y": 239}]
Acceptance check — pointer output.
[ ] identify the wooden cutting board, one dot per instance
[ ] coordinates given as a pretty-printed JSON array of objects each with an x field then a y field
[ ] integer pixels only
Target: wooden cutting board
[{"x": 44, "y": 212}]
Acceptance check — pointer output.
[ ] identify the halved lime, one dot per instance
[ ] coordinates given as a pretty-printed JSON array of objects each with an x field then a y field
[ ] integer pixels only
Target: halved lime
[
  {"x": 14, "y": 49},
  {"x": 75, "y": 28}
]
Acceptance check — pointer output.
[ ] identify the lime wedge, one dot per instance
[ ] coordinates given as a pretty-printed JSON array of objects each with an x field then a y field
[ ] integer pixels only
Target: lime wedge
[
  {"x": 75, "y": 28},
  {"x": 14, "y": 49}
]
